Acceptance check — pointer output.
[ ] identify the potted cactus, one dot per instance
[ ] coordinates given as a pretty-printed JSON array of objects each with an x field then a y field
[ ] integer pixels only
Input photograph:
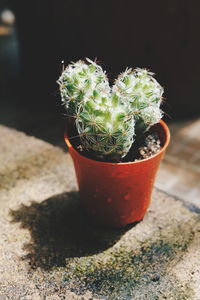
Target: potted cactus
[{"x": 109, "y": 130}]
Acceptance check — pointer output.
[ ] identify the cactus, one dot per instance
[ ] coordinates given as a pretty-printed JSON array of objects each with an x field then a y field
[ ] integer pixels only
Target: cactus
[
  {"x": 108, "y": 119},
  {"x": 144, "y": 93}
]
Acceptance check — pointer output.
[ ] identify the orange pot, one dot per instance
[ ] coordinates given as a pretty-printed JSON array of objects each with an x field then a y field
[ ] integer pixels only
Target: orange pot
[{"x": 116, "y": 194}]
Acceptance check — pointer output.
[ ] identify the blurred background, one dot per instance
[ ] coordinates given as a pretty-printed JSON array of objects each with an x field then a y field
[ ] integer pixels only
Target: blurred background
[{"x": 163, "y": 36}]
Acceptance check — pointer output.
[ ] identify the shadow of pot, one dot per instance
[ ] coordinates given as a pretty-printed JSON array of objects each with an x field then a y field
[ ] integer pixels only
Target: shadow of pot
[
  {"x": 117, "y": 194},
  {"x": 60, "y": 231}
]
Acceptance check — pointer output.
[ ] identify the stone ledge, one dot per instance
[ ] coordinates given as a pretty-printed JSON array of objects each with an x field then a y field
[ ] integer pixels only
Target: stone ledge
[{"x": 50, "y": 251}]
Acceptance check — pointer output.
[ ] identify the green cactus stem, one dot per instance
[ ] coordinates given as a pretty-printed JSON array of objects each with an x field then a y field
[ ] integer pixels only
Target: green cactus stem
[{"x": 109, "y": 119}]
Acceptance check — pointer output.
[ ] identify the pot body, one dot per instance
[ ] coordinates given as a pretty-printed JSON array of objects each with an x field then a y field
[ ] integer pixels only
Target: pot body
[{"x": 116, "y": 194}]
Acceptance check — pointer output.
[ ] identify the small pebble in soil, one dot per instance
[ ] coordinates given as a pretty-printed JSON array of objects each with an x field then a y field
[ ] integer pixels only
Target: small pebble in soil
[{"x": 151, "y": 146}]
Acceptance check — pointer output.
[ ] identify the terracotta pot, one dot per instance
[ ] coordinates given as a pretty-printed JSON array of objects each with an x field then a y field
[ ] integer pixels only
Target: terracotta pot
[{"x": 116, "y": 194}]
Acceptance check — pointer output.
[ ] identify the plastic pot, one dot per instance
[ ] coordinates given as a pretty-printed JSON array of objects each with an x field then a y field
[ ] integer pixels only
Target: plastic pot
[{"x": 116, "y": 194}]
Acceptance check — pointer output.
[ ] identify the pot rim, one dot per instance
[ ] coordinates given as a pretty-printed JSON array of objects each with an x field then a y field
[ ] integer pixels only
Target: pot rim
[{"x": 72, "y": 149}]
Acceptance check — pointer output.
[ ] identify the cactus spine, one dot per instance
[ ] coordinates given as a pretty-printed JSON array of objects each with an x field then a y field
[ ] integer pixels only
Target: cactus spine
[{"x": 107, "y": 118}]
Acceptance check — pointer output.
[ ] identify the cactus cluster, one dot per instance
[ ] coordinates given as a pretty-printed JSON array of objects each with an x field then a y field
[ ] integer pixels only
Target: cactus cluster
[{"x": 108, "y": 118}]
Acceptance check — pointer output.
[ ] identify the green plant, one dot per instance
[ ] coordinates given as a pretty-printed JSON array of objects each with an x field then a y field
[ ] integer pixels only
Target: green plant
[{"x": 108, "y": 120}]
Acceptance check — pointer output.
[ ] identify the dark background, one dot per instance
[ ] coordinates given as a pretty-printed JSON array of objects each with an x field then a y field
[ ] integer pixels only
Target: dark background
[{"x": 163, "y": 36}]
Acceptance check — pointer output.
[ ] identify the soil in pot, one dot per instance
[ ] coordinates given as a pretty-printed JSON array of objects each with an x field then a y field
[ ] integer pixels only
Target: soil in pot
[{"x": 143, "y": 149}]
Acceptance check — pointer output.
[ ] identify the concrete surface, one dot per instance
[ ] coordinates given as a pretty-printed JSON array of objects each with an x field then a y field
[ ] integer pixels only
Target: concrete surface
[{"x": 49, "y": 250}]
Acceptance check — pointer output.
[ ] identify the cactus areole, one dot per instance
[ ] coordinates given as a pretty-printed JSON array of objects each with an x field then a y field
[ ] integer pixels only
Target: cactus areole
[{"x": 108, "y": 123}]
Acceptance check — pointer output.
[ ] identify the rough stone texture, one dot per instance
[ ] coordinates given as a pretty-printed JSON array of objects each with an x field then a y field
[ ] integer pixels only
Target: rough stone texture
[{"x": 49, "y": 250}]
